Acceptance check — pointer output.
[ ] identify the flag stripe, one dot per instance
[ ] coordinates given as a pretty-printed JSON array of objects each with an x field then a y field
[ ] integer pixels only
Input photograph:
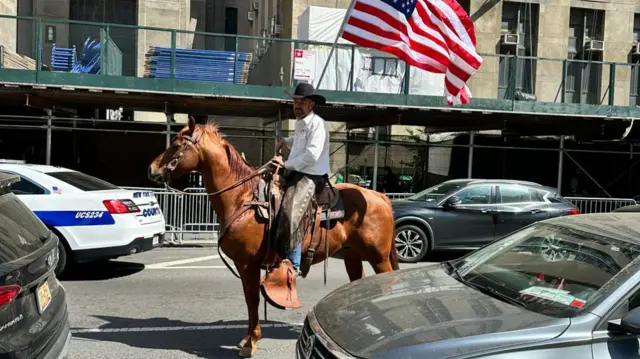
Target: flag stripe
[
  {"x": 379, "y": 23},
  {"x": 434, "y": 35}
]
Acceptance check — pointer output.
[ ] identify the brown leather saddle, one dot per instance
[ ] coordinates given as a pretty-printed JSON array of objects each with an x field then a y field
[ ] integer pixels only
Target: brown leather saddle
[{"x": 278, "y": 285}]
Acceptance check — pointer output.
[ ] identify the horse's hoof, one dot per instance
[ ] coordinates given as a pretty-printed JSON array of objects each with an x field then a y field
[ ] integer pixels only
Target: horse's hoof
[
  {"x": 243, "y": 341},
  {"x": 248, "y": 350}
]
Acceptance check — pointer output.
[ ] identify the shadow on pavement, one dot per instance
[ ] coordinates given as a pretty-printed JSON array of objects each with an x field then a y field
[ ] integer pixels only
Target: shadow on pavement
[
  {"x": 168, "y": 334},
  {"x": 102, "y": 270}
]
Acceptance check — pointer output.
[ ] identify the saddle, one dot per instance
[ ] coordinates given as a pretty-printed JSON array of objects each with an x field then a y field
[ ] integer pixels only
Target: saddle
[
  {"x": 325, "y": 208},
  {"x": 325, "y": 205}
]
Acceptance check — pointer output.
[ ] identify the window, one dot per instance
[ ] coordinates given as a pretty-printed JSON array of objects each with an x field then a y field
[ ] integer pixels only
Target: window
[
  {"x": 634, "y": 99},
  {"x": 230, "y": 27},
  {"x": 582, "y": 84},
  {"x": 519, "y": 194},
  {"x": 25, "y": 186},
  {"x": 83, "y": 181},
  {"x": 475, "y": 195},
  {"x": 437, "y": 192},
  {"x": 520, "y": 19},
  {"x": 21, "y": 232},
  {"x": 383, "y": 66},
  {"x": 551, "y": 269}
]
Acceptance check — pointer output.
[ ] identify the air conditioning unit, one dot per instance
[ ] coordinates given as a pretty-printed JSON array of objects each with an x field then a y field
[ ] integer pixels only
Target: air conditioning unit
[
  {"x": 594, "y": 45},
  {"x": 250, "y": 16},
  {"x": 636, "y": 49},
  {"x": 277, "y": 29},
  {"x": 509, "y": 39},
  {"x": 256, "y": 5}
]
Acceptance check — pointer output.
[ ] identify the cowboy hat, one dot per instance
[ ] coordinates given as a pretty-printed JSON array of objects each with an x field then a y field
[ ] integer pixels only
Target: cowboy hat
[{"x": 305, "y": 90}]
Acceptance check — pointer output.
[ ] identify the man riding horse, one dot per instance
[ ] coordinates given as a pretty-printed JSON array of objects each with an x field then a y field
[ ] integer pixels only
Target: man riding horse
[{"x": 306, "y": 170}]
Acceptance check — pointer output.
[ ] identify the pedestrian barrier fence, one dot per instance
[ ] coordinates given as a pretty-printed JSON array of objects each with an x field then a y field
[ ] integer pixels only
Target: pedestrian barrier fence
[{"x": 190, "y": 216}]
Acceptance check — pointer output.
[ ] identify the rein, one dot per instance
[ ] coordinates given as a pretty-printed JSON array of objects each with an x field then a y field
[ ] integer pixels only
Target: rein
[
  {"x": 192, "y": 141},
  {"x": 258, "y": 172}
]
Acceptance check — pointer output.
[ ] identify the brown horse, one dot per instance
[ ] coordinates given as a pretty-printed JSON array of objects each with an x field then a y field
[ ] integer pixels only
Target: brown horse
[{"x": 367, "y": 229}]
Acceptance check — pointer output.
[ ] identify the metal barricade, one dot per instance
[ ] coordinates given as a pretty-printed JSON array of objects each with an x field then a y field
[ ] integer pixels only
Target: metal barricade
[
  {"x": 191, "y": 217},
  {"x": 188, "y": 217},
  {"x": 399, "y": 195},
  {"x": 600, "y": 205}
]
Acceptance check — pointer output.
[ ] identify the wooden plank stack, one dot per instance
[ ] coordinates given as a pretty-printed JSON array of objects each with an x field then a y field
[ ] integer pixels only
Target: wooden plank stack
[{"x": 13, "y": 60}]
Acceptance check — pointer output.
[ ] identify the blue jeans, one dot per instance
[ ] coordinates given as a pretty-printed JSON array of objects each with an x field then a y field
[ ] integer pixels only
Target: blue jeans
[{"x": 295, "y": 256}]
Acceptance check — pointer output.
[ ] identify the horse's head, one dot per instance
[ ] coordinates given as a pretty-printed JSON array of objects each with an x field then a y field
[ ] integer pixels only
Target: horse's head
[{"x": 183, "y": 156}]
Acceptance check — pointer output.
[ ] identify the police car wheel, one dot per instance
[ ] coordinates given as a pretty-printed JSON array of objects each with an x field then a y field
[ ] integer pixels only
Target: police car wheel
[{"x": 62, "y": 259}]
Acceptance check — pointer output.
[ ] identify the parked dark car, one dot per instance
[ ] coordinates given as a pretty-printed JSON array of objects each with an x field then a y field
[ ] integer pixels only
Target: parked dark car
[
  {"x": 466, "y": 214},
  {"x": 34, "y": 322},
  {"x": 566, "y": 287},
  {"x": 631, "y": 208}
]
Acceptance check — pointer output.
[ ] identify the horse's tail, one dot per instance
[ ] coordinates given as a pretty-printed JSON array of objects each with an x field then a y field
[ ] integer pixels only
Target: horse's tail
[{"x": 393, "y": 254}]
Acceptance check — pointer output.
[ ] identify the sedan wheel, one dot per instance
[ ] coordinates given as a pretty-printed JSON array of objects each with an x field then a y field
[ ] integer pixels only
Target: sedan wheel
[{"x": 411, "y": 243}]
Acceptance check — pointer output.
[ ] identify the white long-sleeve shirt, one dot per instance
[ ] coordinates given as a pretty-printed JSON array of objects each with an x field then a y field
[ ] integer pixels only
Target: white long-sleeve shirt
[{"x": 309, "y": 146}]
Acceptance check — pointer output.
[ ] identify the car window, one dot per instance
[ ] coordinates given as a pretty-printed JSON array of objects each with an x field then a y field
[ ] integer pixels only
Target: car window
[
  {"x": 21, "y": 232},
  {"x": 83, "y": 181},
  {"x": 551, "y": 269},
  {"x": 518, "y": 194},
  {"x": 26, "y": 186},
  {"x": 623, "y": 308},
  {"x": 475, "y": 195},
  {"x": 438, "y": 192}
]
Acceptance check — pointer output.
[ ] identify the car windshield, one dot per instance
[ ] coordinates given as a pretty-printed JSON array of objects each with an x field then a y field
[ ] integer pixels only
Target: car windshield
[
  {"x": 437, "y": 192},
  {"x": 21, "y": 232},
  {"x": 83, "y": 181},
  {"x": 550, "y": 269}
]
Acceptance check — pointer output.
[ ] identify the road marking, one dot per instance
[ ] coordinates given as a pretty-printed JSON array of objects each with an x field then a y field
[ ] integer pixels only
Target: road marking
[
  {"x": 181, "y": 261},
  {"x": 180, "y": 328},
  {"x": 190, "y": 267}
]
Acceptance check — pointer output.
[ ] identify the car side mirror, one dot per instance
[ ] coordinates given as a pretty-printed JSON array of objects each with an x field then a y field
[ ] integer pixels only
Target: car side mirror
[
  {"x": 630, "y": 323},
  {"x": 451, "y": 202}
]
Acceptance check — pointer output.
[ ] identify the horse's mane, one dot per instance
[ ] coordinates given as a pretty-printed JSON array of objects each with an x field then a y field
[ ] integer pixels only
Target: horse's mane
[{"x": 238, "y": 165}]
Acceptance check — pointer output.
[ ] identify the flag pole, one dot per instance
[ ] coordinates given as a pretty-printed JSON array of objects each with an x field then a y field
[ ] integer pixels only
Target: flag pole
[{"x": 335, "y": 43}]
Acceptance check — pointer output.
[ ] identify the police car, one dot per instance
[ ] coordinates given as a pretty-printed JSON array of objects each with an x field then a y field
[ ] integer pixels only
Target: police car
[{"x": 94, "y": 219}]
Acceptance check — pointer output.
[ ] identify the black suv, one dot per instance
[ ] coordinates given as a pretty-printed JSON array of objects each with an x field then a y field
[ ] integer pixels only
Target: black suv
[{"x": 34, "y": 322}]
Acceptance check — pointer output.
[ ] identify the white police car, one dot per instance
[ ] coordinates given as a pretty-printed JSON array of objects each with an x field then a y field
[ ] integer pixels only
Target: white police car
[{"x": 94, "y": 219}]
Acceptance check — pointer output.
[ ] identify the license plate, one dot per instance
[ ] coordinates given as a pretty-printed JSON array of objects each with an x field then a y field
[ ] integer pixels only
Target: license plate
[
  {"x": 43, "y": 296},
  {"x": 156, "y": 240}
]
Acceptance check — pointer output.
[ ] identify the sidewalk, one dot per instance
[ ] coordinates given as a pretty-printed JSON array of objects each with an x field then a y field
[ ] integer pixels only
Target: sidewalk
[{"x": 191, "y": 240}]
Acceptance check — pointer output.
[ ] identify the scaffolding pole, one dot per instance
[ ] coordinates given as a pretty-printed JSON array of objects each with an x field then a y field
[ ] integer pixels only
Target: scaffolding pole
[
  {"x": 49, "y": 135},
  {"x": 374, "y": 182},
  {"x": 470, "y": 164},
  {"x": 168, "y": 135},
  {"x": 560, "y": 162}
]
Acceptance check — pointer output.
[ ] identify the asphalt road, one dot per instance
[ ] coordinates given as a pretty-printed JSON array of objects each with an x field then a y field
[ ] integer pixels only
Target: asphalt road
[{"x": 179, "y": 303}]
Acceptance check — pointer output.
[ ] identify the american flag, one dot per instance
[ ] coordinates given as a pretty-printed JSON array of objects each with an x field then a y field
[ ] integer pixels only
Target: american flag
[{"x": 434, "y": 35}]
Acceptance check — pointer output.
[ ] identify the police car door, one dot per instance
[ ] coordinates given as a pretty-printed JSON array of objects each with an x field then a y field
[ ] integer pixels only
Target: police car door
[{"x": 26, "y": 189}]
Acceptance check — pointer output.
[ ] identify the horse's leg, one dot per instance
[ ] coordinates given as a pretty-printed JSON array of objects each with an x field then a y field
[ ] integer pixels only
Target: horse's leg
[
  {"x": 353, "y": 263},
  {"x": 251, "y": 285},
  {"x": 241, "y": 272}
]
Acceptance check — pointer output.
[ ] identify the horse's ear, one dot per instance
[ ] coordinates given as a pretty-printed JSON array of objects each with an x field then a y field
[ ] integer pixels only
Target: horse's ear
[{"x": 191, "y": 123}]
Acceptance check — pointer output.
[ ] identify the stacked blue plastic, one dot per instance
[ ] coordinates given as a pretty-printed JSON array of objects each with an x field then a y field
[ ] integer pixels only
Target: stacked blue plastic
[
  {"x": 63, "y": 59},
  {"x": 90, "y": 60},
  {"x": 199, "y": 65},
  {"x": 66, "y": 59}
]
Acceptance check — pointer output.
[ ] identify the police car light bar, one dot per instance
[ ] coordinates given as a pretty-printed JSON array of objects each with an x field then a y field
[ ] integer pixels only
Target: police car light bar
[{"x": 13, "y": 162}]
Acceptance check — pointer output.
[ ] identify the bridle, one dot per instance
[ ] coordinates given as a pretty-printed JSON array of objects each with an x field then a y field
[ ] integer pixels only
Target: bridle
[{"x": 191, "y": 142}]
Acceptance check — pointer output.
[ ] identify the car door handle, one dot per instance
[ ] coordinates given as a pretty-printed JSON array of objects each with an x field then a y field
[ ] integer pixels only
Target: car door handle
[
  {"x": 485, "y": 210},
  {"x": 535, "y": 211}
]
